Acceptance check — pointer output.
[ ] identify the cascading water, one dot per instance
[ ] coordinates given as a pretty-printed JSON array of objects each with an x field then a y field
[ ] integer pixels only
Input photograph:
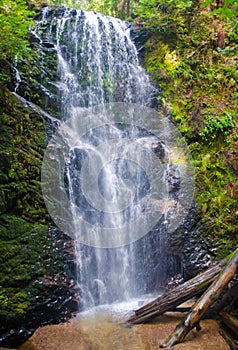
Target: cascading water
[{"x": 97, "y": 63}]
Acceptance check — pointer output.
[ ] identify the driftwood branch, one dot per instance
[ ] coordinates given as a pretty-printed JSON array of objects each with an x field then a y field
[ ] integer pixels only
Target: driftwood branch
[
  {"x": 205, "y": 301},
  {"x": 169, "y": 300}
]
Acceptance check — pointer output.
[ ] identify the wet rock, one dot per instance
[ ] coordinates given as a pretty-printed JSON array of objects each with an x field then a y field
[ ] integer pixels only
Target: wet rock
[
  {"x": 139, "y": 35},
  {"x": 192, "y": 244},
  {"x": 173, "y": 178}
]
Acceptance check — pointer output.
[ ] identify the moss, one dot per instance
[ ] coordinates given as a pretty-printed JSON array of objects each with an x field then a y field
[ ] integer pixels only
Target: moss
[
  {"x": 26, "y": 246},
  {"x": 25, "y": 259},
  {"x": 22, "y": 151},
  {"x": 198, "y": 87}
]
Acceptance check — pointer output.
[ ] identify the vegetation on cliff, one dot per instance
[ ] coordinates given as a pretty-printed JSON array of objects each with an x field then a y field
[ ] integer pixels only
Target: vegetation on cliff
[
  {"x": 21, "y": 208},
  {"x": 192, "y": 56},
  {"x": 15, "y": 19}
]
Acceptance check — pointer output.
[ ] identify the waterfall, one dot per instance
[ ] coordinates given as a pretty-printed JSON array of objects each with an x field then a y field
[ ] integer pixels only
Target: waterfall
[
  {"x": 97, "y": 62},
  {"x": 113, "y": 164}
]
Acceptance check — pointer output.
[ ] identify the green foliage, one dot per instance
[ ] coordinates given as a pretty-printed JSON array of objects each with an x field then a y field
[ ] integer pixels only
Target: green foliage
[
  {"x": 228, "y": 10},
  {"x": 145, "y": 10},
  {"x": 215, "y": 126},
  {"x": 15, "y": 20},
  {"x": 162, "y": 16},
  {"x": 67, "y": 3},
  {"x": 107, "y": 7}
]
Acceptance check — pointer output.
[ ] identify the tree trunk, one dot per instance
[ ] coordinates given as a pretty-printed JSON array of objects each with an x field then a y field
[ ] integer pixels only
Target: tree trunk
[
  {"x": 175, "y": 297},
  {"x": 122, "y": 6},
  {"x": 205, "y": 301},
  {"x": 128, "y": 8}
]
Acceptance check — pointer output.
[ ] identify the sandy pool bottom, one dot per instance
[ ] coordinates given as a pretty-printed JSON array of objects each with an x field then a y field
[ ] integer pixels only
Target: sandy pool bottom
[{"x": 104, "y": 329}]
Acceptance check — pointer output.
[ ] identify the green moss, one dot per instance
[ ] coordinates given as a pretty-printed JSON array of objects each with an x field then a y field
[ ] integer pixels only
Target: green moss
[
  {"x": 25, "y": 259},
  {"x": 12, "y": 305},
  {"x": 198, "y": 86},
  {"x": 26, "y": 246},
  {"x": 21, "y": 156}
]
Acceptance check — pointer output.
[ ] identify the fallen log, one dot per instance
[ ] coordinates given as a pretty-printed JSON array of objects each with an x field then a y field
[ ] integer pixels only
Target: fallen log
[
  {"x": 230, "y": 321},
  {"x": 226, "y": 302},
  {"x": 205, "y": 301},
  {"x": 178, "y": 309},
  {"x": 169, "y": 300},
  {"x": 230, "y": 341}
]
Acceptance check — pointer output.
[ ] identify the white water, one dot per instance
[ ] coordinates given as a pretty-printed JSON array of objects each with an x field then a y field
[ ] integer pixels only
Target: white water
[
  {"x": 97, "y": 60},
  {"x": 120, "y": 311}
]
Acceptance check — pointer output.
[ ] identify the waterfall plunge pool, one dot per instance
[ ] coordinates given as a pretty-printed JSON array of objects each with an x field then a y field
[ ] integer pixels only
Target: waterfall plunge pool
[{"x": 104, "y": 328}]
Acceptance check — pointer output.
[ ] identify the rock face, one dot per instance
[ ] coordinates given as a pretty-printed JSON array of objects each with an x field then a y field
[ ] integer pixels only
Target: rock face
[
  {"x": 191, "y": 245},
  {"x": 37, "y": 278}
]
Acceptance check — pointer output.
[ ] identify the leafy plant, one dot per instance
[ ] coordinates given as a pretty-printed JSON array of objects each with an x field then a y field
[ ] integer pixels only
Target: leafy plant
[
  {"x": 229, "y": 8},
  {"x": 15, "y": 20},
  {"x": 215, "y": 126}
]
